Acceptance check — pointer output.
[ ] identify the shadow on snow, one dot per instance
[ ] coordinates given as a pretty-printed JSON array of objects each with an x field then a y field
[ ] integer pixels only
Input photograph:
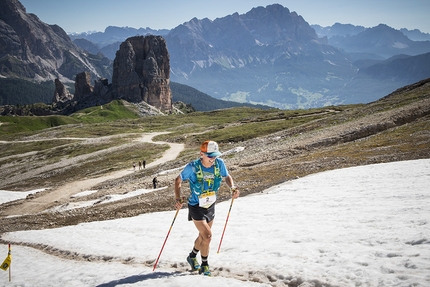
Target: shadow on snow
[{"x": 141, "y": 277}]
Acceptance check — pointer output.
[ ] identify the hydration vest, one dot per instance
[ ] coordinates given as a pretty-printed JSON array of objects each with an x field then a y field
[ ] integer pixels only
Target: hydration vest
[{"x": 199, "y": 174}]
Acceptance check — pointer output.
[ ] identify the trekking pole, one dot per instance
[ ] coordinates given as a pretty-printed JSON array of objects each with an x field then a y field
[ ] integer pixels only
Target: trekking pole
[
  {"x": 228, "y": 215},
  {"x": 176, "y": 214},
  {"x": 10, "y": 269}
]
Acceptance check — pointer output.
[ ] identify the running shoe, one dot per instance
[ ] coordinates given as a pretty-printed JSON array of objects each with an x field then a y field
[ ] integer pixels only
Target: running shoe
[
  {"x": 205, "y": 270},
  {"x": 193, "y": 263}
]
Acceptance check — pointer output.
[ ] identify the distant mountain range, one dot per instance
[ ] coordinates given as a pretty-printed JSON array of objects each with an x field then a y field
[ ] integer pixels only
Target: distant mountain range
[
  {"x": 108, "y": 42},
  {"x": 382, "y": 41},
  {"x": 272, "y": 56},
  {"x": 348, "y": 30},
  {"x": 267, "y": 56}
]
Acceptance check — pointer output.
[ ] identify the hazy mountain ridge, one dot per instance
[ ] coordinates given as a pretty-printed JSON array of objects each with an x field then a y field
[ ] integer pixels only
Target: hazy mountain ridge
[
  {"x": 113, "y": 34},
  {"x": 381, "y": 40},
  {"x": 273, "y": 56},
  {"x": 278, "y": 59},
  {"x": 401, "y": 67},
  {"x": 344, "y": 30},
  {"x": 201, "y": 101}
]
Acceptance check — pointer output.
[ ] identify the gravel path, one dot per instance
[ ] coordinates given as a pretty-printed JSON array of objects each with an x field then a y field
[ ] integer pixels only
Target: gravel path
[{"x": 63, "y": 193}]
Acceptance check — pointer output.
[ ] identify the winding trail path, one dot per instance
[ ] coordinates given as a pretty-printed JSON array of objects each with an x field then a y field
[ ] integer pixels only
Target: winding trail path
[{"x": 64, "y": 192}]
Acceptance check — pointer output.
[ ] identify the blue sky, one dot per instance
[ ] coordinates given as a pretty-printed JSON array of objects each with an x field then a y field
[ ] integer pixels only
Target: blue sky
[{"x": 96, "y": 15}]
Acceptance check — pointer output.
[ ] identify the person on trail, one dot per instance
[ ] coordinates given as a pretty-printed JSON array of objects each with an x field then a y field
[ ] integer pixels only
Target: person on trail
[
  {"x": 154, "y": 182},
  {"x": 143, "y": 163},
  {"x": 204, "y": 176}
]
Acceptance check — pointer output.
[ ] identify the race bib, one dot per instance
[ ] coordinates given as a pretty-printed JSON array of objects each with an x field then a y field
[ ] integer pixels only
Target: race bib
[{"x": 207, "y": 199}]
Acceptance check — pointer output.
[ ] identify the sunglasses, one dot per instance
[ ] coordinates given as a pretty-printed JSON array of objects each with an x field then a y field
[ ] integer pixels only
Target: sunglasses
[{"x": 211, "y": 156}]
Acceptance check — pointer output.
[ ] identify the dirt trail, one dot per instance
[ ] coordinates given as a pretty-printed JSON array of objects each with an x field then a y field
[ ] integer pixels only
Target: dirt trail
[{"x": 52, "y": 198}]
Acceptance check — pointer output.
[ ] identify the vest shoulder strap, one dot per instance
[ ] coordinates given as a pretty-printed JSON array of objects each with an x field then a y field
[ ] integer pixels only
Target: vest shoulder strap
[{"x": 199, "y": 171}]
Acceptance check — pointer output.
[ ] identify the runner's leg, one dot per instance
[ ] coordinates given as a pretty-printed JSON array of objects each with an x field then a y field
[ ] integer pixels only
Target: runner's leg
[{"x": 205, "y": 235}]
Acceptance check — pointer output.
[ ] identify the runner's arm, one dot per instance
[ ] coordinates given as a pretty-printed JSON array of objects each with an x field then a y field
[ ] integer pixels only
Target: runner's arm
[
  {"x": 178, "y": 200},
  {"x": 230, "y": 182}
]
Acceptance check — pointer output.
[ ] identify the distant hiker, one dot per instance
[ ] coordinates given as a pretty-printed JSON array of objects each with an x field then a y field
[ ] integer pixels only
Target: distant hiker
[
  {"x": 140, "y": 165},
  {"x": 204, "y": 176},
  {"x": 154, "y": 182},
  {"x": 144, "y": 163},
  {"x": 134, "y": 166}
]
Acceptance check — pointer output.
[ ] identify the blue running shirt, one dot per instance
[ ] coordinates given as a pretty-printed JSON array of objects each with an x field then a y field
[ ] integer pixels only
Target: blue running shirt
[{"x": 189, "y": 173}]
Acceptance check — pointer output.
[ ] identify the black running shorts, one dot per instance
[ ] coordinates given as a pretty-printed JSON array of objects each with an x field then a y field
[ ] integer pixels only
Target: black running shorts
[{"x": 199, "y": 213}]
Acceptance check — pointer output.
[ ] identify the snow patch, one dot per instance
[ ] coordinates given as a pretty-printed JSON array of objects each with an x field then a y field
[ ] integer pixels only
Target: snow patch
[
  {"x": 358, "y": 226},
  {"x": 84, "y": 193},
  {"x": 6, "y": 196}
]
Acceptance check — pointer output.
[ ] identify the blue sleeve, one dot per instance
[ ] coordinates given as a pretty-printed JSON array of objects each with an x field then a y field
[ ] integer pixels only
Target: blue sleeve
[
  {"x": 187, "y": 172},
  {"x": 222, "y": 167}
]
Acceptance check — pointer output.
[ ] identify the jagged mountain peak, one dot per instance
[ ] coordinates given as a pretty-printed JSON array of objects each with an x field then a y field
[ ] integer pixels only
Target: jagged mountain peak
[
  {"x": 272, "y": 9},
  {"x": 386, "y": 33},
  {"x": 269, "y": 25},
  {"x": 11, "y": 8},
  {"x": 34, "y": 50}
]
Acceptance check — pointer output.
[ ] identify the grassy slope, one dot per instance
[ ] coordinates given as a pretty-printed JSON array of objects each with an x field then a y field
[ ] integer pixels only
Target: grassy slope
[{"x": 229, "y": 127}]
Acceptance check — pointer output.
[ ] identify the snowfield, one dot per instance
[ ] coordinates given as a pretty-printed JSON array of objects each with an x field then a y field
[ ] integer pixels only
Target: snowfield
[{"x": 359, "y": 226}]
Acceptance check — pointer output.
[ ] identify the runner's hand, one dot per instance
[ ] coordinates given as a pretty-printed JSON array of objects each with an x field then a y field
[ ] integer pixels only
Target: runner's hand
[
  {"x": 234, "y": 192},
  {"x": 179, "y": 202}
]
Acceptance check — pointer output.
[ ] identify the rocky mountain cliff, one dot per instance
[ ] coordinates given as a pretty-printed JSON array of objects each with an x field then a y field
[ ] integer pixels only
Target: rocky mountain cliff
[
  {"x": 273, "y": 56},
  {"x": 268, "y": 56},
  {"x": 140, "y": 75},
  {"x": 33, "y": 50},
  {"x": 142, "y": 72}
]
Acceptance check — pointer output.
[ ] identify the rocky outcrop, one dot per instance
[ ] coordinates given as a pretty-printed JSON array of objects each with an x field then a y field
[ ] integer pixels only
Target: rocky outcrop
[
  {"x": 87, "y": 95},
  {"x": 83, "y": 86},
  {"x": 141, "y": 75},
  {"x": 142, "y": 72},
  {"x": 61, "y": 94},
  {"x": 103, "y": 89}
]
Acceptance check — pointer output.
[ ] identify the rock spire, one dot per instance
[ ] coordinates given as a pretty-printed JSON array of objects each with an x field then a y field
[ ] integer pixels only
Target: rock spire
[{"x": 141, "y": 71}]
